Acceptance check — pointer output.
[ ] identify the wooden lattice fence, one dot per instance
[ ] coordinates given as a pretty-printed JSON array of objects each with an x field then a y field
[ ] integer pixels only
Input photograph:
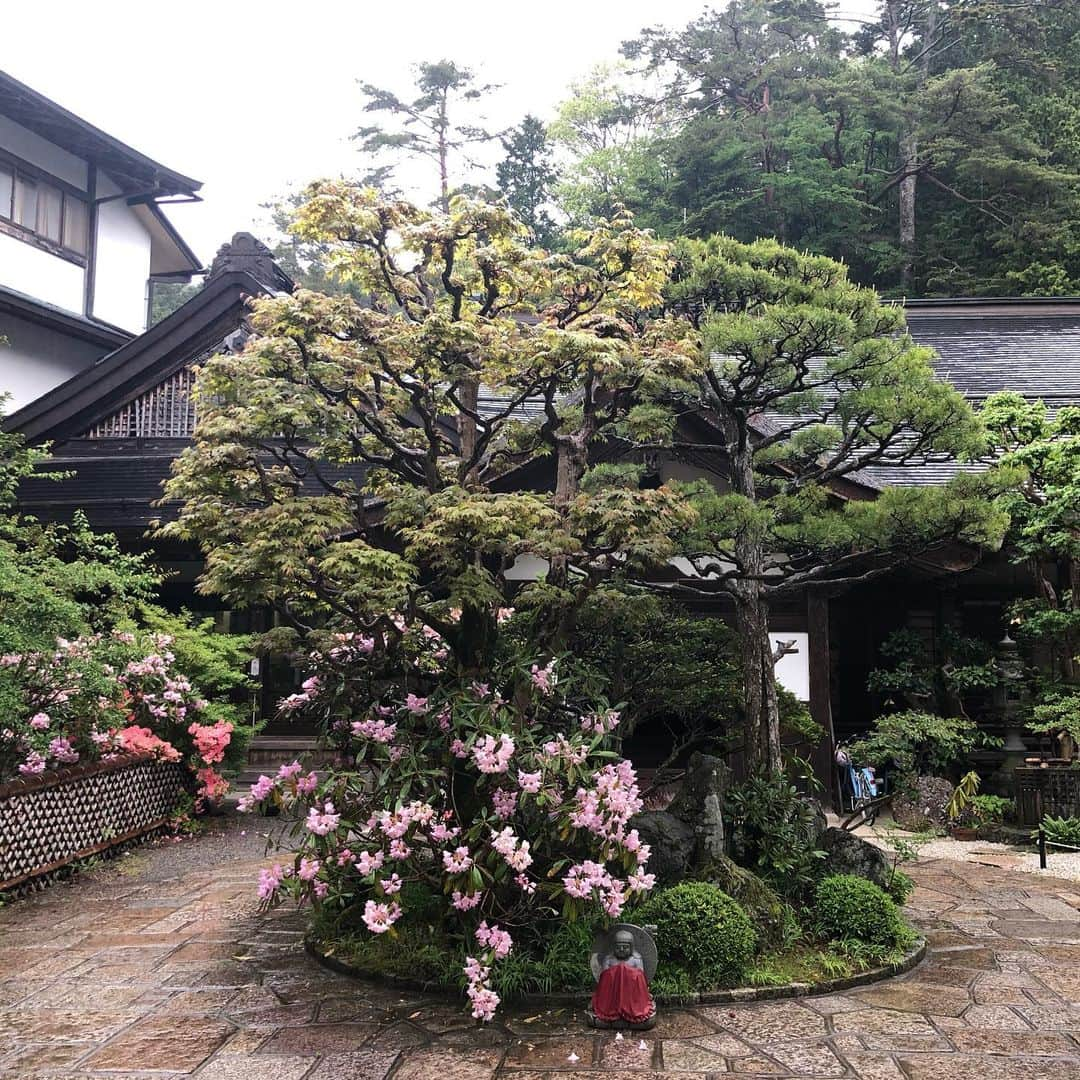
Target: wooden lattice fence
[
  {"x": 51, "y": 820},
  {"x": 1054, "y": 791}
]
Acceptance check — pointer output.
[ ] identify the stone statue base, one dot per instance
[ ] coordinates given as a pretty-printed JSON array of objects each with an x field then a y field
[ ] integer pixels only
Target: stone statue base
[{"x": 619, "y": 1025}]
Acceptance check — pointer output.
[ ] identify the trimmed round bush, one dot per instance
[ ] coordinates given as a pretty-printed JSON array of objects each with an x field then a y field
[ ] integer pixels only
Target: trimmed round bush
[
  {"x": 852, "y": 907},
  {"x": 703, "y": 932}
]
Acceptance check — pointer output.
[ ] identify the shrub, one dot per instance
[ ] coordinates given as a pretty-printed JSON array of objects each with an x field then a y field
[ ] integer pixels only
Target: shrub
[
  {"x": 99, "y": 695},
  {"x": 991, "y": 809},
  {"x": 917, "y": 742},
  {"x": 1062, "y": 830},
  {"x": 504, "y": 798},
  {"x": 852, "y": 907},
  {"x": 774, "y": 833},
  {"x": 700, "y": 931},
  {"x": 899, "y": 887}
]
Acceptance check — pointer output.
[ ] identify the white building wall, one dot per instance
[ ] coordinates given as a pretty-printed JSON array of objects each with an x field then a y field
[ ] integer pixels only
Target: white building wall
[
  {"x": 123, "y": 264},
  {"x": 34, "y": 359},
  {"x": 43, "y": 276}
]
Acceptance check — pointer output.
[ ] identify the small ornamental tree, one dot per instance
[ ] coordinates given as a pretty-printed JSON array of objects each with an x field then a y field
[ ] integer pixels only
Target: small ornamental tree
[
  {"x": 344, "y": 473},
  {"x": 808, "y": 380}
]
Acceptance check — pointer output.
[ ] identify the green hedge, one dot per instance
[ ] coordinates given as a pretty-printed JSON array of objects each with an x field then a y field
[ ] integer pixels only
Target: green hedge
[
  {"x": 704, "y": 938},
  {"x": 847, "y": 907}
]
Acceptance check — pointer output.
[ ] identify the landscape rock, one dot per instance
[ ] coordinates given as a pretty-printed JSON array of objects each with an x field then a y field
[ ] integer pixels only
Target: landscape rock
[
  {"x": 766, "y": 910},
  {"x": 924, "y": 807},
  {"x": 846, "y": 853},
  {"x": 700, "y": 803},
  {"x": 673, "y": 842}
]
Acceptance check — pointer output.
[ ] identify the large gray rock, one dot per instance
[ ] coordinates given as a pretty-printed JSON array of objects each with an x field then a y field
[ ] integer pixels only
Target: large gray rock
[
  {"x": 700, "y": 803},
  {"x": 846, "y": 853},
  {"x": 673, "y": 844}
]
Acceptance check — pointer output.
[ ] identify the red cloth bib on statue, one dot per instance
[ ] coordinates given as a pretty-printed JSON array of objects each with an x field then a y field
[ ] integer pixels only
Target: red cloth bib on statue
[{"x": 622, "y": 994}]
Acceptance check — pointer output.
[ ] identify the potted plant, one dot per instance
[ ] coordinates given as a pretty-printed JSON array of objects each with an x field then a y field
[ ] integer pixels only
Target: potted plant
[{"x": 962, "y": 825}]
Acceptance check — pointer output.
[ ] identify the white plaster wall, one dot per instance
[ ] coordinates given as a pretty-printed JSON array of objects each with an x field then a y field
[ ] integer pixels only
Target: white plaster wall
[
  {"x": 36, "y": 273},
  {"x": 34, "y": 359},
  {"x": 123, "y": 267},
  {"x": 793, "y": 670},
  {"x": 24, "y": 144}
]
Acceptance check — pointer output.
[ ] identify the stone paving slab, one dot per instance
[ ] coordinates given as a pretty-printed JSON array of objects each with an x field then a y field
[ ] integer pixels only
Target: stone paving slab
[{"x": 166, "y": 970}]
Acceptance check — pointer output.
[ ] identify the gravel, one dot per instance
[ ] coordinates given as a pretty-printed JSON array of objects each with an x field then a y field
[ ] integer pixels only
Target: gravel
[{"x": 1060, "y": 864}]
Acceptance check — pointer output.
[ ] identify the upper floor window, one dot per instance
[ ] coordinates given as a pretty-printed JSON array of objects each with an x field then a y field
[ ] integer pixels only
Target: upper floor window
[{"x": 45, "y": 210}]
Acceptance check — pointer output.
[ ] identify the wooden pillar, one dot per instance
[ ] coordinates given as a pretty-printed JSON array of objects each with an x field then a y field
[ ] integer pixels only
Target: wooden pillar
[{"x": 817, "y": 625}]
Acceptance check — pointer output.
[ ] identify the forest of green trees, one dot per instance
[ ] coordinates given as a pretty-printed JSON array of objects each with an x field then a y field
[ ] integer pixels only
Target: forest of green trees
[{"x": 934, "y": 148}]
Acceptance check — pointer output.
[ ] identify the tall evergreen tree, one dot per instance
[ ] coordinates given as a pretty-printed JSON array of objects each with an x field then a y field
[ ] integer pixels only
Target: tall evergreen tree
[
  {"x": 526, "y": 177},
  {"x": 427, "y": 125}
]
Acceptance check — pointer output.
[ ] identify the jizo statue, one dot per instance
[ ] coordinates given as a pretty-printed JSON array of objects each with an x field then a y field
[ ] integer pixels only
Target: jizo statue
[{"x": 623, "y": 961}]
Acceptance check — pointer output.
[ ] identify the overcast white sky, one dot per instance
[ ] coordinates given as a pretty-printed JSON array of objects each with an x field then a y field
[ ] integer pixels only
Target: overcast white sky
[{"x": 256, "y": 98}]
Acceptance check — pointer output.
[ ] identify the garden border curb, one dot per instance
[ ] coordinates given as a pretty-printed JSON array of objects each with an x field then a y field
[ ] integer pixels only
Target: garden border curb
[{"x": 740, "y": 994}]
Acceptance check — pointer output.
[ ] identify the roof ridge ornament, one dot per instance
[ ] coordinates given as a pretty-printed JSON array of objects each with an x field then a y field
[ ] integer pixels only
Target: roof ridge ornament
[{"x": 246, "y": 253}]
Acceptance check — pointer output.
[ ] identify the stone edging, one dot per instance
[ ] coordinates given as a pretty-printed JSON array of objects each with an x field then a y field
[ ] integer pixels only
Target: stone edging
[{"x": 709, "y": 997}]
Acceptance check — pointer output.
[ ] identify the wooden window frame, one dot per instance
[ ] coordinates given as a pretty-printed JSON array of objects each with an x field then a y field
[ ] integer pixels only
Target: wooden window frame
[{"x": 9, "y": 227}]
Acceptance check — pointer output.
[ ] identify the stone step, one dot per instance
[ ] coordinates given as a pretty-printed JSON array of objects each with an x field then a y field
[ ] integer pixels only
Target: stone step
[{"x": 266, "y": 753}]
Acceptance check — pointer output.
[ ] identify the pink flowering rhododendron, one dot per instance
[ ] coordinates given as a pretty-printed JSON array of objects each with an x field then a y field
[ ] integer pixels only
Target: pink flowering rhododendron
[
  {"x": 95, "y": 697},
  {"x": 494, "y": 793}
]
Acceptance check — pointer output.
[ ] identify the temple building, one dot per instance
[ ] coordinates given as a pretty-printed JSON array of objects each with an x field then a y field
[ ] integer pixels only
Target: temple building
[{"x": 83, "y": 238}]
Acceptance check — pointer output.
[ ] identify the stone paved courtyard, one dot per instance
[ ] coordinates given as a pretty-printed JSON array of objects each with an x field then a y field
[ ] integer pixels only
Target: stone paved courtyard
[{"x": 158, "y": 966}]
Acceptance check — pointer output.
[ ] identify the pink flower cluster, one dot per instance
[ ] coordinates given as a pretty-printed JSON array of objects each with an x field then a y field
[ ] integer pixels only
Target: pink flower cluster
[
  {"x": 377, "y": 730},
  {"x": 352, "y": 647},
  {"x": 498, "y": 941},
  {"x": 483, "y": 999},
  {"x": 288, "y": 783},
  {"x": 322, "y": 821},
  {"x": 544, "y": 678},
  {"x": 493, "y": 756},
  {"x": 505, "y": 802},
  {"x": 378, "y": 918},
  {"x": 141, "y": 740},
  {"x": 211, "y": 740},
  {"x": 600, "y": 723},
  {"x": 562, "y": 750},
  {"x": 607, "y": 808},
  {"x": 512, "y": 848}
]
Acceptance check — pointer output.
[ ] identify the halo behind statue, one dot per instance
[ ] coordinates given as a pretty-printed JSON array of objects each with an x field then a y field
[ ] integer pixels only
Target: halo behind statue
[{"x": 604, "y": 945}]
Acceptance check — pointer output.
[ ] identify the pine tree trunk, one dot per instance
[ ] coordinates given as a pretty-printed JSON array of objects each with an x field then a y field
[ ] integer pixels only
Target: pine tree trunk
[{"x": 762, "y": 716}]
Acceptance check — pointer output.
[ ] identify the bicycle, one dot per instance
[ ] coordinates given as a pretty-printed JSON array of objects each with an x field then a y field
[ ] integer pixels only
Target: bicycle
[{"x": 859, "y": 787}]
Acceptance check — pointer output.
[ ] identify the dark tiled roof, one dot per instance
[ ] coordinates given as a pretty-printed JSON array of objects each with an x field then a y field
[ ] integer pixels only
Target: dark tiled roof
[
  {"x": 1035, "y": 355},
  {"x": 1026, "y": 346}
]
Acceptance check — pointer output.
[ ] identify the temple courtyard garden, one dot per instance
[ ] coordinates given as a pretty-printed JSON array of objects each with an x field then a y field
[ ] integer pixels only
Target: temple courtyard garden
[{"x": 158, "y": 965}]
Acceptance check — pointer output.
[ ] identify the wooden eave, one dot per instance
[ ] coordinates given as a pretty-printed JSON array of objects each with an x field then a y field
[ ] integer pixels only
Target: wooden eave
[{"x": 133, "y": 171}]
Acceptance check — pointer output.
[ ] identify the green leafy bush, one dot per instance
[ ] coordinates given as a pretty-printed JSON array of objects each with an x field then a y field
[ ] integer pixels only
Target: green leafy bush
[
  {"x": 847, "y": 906},
  {"x": 1062, "y": 830},
  {"x": 917, "y": 742},
  {"x": 991, "y": 809},
  {"x": 700, "y": 931},
  {"x": 774, "y": 833},
  {"x": 899, "y": 887}
]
